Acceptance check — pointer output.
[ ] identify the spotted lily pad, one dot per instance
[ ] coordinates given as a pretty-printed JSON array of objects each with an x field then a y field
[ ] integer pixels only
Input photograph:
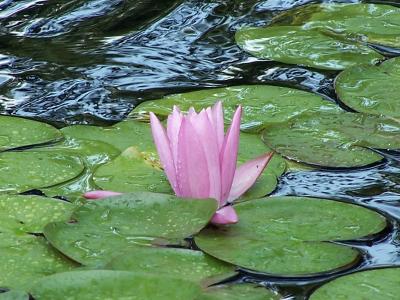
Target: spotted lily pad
[
  {"x": 121, "y": 135},
  {"x": 93, "y": 153},
  {"x": 21, "y": 171},
  {"x": 285, "y": 236},
  {"x": 31, "y": 213},
  {"x": 333, "y": 140},
  {"x": 14, "y": 295},
  {"x": 107, "y": 284},
  {"x": 181, "y": 263},
  {"x": 18, "y": 132},
  {"x": 371, "y": 89},
  {"x": 132, "y": 171},
  {"x": 380, "y": 284},
  {"x": 238, "y": 292},
  {"x": 24, "y": 259},
  {"x": 262, "y": 104},
  {"x": 312, "y": 48},
  {"x": 372, "y": 23},
  {"x": 102, "y": 228}
]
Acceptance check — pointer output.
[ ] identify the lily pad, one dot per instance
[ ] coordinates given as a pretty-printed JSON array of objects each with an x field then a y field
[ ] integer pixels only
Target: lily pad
[
  {"x": 22, "y": 171},
  {"x": 372, "y": 23},
  {"x": 132, "y": 171},
  {"x": 238, "y": 292},
  {"x": 371, "y": 89},
  {"x": 181, "y": 263},
  {"x": 106, "y": 284},
  {"x": 332, "y": 140},
  {"x": 312, "y": 48},
  {"x": 262, "y": 104},
  {"x": 24, "y": 259},
  {"x": 14, "y": 295},
  {"x": 121, "y": 135},
  {"x": 31, "y": 213},
  {"x": 93, "y": 153},
  {"x": 380, "y": 284},
  {"x": 102, "y": 228},
  {"x": 18, "y": 132},
  {"x": 284, "y": 236}
]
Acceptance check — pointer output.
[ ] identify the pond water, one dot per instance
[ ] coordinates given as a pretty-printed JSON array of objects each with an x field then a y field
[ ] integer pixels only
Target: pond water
[{"x": 92, "y": 62}]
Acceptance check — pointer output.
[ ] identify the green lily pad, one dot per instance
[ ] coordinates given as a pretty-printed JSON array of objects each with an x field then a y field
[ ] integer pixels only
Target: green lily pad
[
  {"x": 181, "y": 263},
  {"x": 102, "y": 228},
  {"x": 14, "y": 295},
  {"x": 22, "y": 171},
  {"x": 312, "y": 48},
  {"x": 262, "y": 104},
  {"x": 121, "y": 135},
  {"x": 285, "y": 236},
  {"x": 18, "y": 132},
  {"x": 332, "y": 140},
  {"x": 380, "y": 284},
  {"x": 238, "y": 292},
  {"x": 372, "y": 23},
  {"x": 132, "y": 171},
  {"x": 24, "y": 259},
  {"x": 106, "y": 284},
  {"x": 31, "y": 213},
  {"x": 93, "y": 153},
  {"x": 371, "y": 89}
]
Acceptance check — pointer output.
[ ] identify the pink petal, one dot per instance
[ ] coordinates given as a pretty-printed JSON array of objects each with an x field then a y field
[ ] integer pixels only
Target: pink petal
[
  {"x": 216, "y": 117},
  {"x": 164, "y": 150},
  {"x": 209, "y": 143},
  {"x": 224, "y": 216},
  {"x": 229, "y": 155},
  {"x": 173, "y": 126},
  {"x": 247, "y": 174},
  {"x": 192, "y": 169},
  {"x": 100, "y": 194}
]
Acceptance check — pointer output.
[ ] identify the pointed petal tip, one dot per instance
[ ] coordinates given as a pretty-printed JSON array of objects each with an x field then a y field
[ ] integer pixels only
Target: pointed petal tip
[
  {"x": 247, "y": 174},
  {"x": 225, "y": 216},
  {"x": 93, "y": 195}
]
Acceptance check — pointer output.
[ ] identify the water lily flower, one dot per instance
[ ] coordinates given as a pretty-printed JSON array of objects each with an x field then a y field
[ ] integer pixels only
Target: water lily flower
[{"x": 200, "y": 160}]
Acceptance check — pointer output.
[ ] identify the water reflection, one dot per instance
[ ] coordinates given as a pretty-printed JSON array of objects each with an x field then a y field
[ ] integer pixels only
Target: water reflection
[{"x": 92, "y": 61}]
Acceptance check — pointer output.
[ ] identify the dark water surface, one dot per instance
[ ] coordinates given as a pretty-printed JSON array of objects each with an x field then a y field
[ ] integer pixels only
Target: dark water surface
[{"x": 92, "y": 61}]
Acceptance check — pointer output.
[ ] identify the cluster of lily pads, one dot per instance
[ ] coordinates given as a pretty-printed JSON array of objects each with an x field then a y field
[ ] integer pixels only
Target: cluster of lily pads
[{"x": 149, "y": 244}]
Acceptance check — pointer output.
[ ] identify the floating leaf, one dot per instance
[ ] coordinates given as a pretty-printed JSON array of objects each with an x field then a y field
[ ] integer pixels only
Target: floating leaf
[
  {"x": 372, "y": 23},
  {"x": 93, "y": 153},
  {"x": 14, "y": 295},
  {"x": 31, "y": 213},
  {"x": 24, "y": 259},
  {"x": 283, "y": 235},
  {"x": 262, "y": 104},
  {"x": 102, "y": 228},
  {"x": 380, "y": 284},
  {"x": 18, "y": 132},
  {"x": 333, "y": 140},
  {"x": 312, "y": 48},
  {"x": 132, "y": 171},
  {"x": 181, "y": 263},
  {"x": 121, "y": 135},
  {"x": 371, "y": 89},
  {"x": 238, "y": 292},
  {"x": 104, "y": 284},
  {"x": 22, "y": 171}
]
